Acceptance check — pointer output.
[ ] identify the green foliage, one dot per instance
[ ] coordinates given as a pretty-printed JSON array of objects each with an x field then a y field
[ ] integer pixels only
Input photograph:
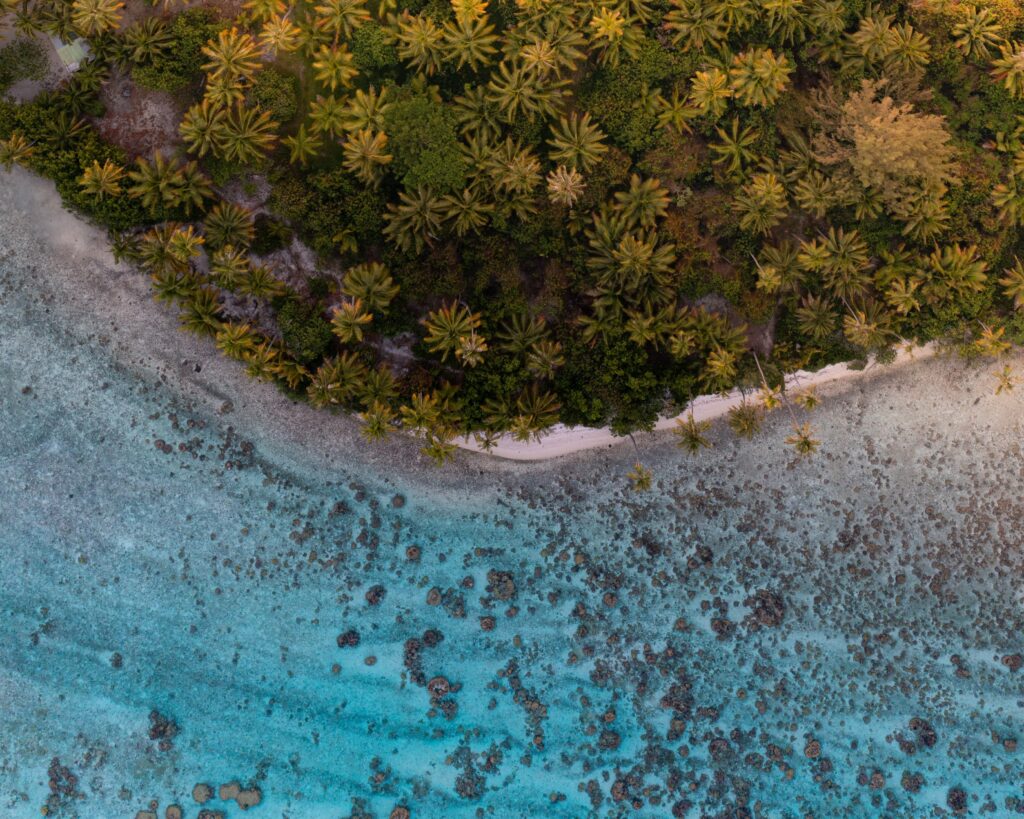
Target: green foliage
[
  {"x": 614, "y": 95},
  {"x": 325, "y": 205},
  {"x": 180, "y": 64},
  {"x": 276, "y": 92},
  {"x": 423, "y": 140},
  {"x": 21, "y": 59},
  {"x": 271, "y": 234},
  {"x": 610, "y": 382},
  {"x": 307, "y": 335},
  {"x": 374, "y": 52}
]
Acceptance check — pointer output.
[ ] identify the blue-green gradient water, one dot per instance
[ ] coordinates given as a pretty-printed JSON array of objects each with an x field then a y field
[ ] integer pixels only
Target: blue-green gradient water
[{"x": 752, "y": 638}]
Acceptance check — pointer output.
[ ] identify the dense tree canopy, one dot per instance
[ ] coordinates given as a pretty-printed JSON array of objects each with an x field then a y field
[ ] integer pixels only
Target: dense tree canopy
[{"x": 532, "y": 212}]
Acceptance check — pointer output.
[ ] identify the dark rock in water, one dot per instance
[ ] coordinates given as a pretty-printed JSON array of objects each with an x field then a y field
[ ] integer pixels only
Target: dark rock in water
[
  {"x": 162, "y": 729},
  {"x": 397, "y": 502},
  {"x": 432, "y": 637},
  {"x": 608, "y": 740},
  {"x": 501, "y": 584},
  {"x": 438, "y": 687},
  {"x": 956, "y": 799},
  {"x": 1013, "y": 661},
  {"x": 723, "y": 627},
  {"x": 911, "y": 782},
  {"x": 211, "y": 814},
  {"x": 400, "y": 812},
  {"x": 116, "y": 660},
  {"x": 173, "y": 812},
  {"x": 375, "y": 594},
  {"x": 348, "y": 639},
  {"x": 768, "y": 609},
  {"x": 925, "y": 733},
  {"x": 812, "y": 750},
  {"x": 202, "y": 793}
]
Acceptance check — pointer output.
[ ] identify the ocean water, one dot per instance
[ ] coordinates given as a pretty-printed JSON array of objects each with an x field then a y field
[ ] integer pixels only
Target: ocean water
[{"x": 184, "y": 599}]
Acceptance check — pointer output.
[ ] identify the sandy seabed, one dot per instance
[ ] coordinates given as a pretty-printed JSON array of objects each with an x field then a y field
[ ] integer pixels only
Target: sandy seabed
[{"x": 205, "y": 583}]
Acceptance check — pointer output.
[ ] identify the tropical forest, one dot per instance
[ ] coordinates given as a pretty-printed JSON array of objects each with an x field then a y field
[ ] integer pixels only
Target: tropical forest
[{"x": 487, "y": 217}]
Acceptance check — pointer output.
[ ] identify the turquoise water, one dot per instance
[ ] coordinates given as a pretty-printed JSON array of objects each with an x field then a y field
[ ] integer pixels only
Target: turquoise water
[{"x": 753, "y": 638}]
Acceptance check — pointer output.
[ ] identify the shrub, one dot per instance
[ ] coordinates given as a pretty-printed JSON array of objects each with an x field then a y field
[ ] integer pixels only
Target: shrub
[
  {"x": 423, "y": 140},
  {"x": 372, "y": 49},
  {"x": 180, "y": 65},
  {"x": 271, "y": 234},
  {"x": 21, "y": 60},
  {"x": 306, "y": 333},
  {"x": 276, "y": 92}
]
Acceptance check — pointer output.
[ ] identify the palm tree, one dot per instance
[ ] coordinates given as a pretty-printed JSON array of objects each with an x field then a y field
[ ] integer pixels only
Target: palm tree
[
  {"x": 978, "y": 33},
  {"x": 908, "y": 50},
  {"x": 690, "y": 434},
  {"x": 303, "y": 146},
  {"x": 576, "y": 142},
  {"x": 521, "y": 332},
  {"x": 327, "y": 115},
  {"x": 157, "y": 183},
  {"x": 842, "y": 258},
  {"x": 233, "y": 55},
  {"x": 349, "y": 320},
  {"x": 736, "y": 148},
  {"x": 515, "y": 91},
  {"x": 378, "y": 421},
  {"x": 366, "y": 155},
  {"x": 471, "y": 348},
  {"x": 612, "y": 34},
  {"x": 279, "y": 34},
  {"x": 644, "y": 203},
  {"x": 565, "y": 186},
  {"x": 261, "y": 10},
  {"x": 478, "y": 115},
  {"x": 544, "y": 358},
  {"x": 371, "y": 284},
  {"x": 342, "y": 17},
  {"x": 379, "y": 386},
  {"x": 203, "y": 128},
  {"x": 15, "y": 150},
  {"x": 201, "y": 311},
  {"x": 185, "y": 244},
  {"x": 421, "y": 413},
  {"x": 365, "y": 110},
  {"x": 536, "y": 412},
  {"x": 157, "y": 254},
  {"x": 697, "y": 24},
  {"x": 786, "y": 20},
  {"x": 100, "y": 181},
  {"x": 815, "y": 318},
  {"x": 229, "y": 267},
  {"x": 991, "y": 342},
  {"x": 803, "y": 441},
  {"x": 758, "y": 77},
  {"x": 470, "y": 41},
  {"x": 420, "y": 42},
  {"x": 1013, "y": 283},
  {"x": 439, "y": 447},
  {"x": 195, "y": 188},
  {"x": 807, "y": 399},
  {"x": 94, "y": 17},
  {"x": 263, "y": 361},
  {"x": 146, "y": 40},
  {"x": 866, "y": 326},
  {"x": 1008, "y": 67},
  {"x": 746, "y": 419},
  {"x": 761, "y": 203},
  {"x": 228, "y": 224},
  {"x": 447, "y": 326},
  {"x": 1005, "y": 380},
  {"x": 640, "y": 478},
  {"x": 334, "y": 66},
  {"x": 337, "y": 380},
  {"x": 710, "y": 92},
  {"x": 720, "y": 369},
  {"x": 236, "y": 340},
  {"x": 248, "y": 134},
  {"x": 415, "y": 220},
  {"x": 223, "y": 92},
  {"x": 260, "y": 282}
]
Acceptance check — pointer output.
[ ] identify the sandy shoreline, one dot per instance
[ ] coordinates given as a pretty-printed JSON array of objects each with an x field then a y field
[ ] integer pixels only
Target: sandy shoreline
[{"x": 34, "y": 227}]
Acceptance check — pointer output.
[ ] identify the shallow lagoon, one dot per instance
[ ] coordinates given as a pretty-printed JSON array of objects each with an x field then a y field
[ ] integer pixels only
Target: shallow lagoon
[{"x": 755, "y": 637}]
